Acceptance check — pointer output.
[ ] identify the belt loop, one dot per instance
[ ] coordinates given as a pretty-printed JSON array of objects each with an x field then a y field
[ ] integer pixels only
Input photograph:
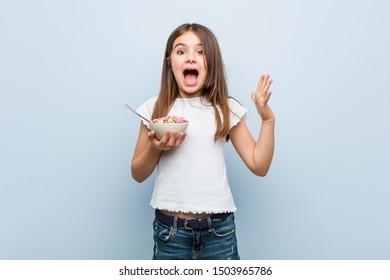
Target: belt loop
[
  {"x": 210, "y": 224},
  {"x": 175, "y": 224}
]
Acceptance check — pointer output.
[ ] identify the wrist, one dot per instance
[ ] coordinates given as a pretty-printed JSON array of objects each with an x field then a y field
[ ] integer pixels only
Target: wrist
[
  {"x": 154, "y": 149},
  {"x": 269, "y": 121}
]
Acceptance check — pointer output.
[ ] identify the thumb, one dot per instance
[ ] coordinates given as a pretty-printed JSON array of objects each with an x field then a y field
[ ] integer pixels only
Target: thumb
[
  {"x": 151, "y": 134},
  {"x": 253, "y": 97}
]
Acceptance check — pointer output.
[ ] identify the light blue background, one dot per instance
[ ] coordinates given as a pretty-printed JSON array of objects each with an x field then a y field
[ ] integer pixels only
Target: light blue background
[{"x": 68, "y": 67}]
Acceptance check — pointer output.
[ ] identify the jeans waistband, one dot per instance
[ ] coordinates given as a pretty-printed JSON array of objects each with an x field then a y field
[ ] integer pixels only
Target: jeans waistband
[{"x": 209, "y": 221}]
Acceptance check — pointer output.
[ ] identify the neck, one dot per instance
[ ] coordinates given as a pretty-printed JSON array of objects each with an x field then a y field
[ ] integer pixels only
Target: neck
[{"x": 189, "y": 95}]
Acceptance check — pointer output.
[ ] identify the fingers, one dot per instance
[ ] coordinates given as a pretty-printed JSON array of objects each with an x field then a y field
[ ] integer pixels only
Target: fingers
[
  {"x": 260, "y": 84},
  {"x": 165, "y": 138},
  {"x": 169, "y": 141},
  {"x": 151, "y": 135},
  {"x": 268, "y": 96},
  {"x": 262, "y": 93},
  {"x": 180, "y": 139},
  {"x": 170, "y": 144},
  {"x": 264, "y": 84},
  {"x": 262, "y": 96}
]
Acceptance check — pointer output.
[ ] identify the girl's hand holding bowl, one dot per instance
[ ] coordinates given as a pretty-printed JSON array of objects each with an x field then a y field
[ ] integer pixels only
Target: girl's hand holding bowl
[{"x": 168, "y": 132}]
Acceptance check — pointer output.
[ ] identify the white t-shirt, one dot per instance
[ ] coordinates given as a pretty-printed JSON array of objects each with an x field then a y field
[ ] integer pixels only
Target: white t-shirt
[{"x": 192, "y": 178}]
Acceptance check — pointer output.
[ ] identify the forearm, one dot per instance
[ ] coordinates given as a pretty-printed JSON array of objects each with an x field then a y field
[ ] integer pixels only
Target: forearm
[
  {"x": 143, "y": 165},
  {"x": 264, "y": 148}
]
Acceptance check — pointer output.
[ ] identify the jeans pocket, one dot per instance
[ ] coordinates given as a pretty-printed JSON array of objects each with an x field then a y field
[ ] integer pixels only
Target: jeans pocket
[
  {"x": 226, "y": 228},
  {"x": 162, "y": 231}
]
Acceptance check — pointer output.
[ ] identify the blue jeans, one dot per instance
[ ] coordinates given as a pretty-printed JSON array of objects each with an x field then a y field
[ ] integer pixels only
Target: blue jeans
[{"x": 177, "y": 243}]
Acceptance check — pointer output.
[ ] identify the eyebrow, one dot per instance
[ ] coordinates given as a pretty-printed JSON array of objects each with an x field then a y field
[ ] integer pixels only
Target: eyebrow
[{"x": 184, "y": 45}]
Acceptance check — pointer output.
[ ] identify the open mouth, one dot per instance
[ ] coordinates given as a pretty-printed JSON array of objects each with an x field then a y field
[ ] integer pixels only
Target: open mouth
[{"x": 190, "y": 76}]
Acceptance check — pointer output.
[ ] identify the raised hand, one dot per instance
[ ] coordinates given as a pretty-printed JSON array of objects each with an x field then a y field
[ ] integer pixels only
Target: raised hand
[{"x": 262, "y": 96}]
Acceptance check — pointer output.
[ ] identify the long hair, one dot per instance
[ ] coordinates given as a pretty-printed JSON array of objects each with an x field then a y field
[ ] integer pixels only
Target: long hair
[{"x": 214, "y": 89}]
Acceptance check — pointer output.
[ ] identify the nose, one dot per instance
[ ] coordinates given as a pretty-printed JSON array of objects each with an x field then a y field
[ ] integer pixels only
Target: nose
[{"x": 191, "y": 58}]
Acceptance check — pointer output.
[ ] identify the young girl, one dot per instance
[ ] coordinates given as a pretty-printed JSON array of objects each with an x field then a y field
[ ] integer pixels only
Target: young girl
[{"x": 193, "y": 202}]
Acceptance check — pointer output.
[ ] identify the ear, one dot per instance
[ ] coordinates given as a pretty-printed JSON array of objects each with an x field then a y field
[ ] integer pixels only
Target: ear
[{"x": 168, "y": 62}]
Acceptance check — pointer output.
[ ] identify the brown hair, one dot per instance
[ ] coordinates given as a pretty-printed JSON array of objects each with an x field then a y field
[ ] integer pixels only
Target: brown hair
[{"x": 215, "y": 87}]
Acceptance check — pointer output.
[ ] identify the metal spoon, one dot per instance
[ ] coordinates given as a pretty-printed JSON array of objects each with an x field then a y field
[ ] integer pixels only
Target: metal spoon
[{"x": 134, "y": 111}]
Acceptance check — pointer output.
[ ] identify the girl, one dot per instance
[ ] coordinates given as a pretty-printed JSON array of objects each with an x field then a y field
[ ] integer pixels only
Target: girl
[{"x": 194, "y": 205}]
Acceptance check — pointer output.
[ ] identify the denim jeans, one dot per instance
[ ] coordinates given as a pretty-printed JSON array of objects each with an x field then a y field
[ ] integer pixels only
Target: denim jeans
[{"x": 176, "y": 243}]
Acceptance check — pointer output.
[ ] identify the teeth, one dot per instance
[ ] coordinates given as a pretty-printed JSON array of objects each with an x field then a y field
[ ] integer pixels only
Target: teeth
[{"x": 191, "y": 70}]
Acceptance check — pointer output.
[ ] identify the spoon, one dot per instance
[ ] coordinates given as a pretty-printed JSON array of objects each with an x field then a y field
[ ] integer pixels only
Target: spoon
[{"x": 134, "y": 111}]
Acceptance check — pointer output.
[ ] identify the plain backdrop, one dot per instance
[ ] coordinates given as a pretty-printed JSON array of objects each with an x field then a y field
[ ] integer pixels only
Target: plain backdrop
[{"x": 68, "y": 67}]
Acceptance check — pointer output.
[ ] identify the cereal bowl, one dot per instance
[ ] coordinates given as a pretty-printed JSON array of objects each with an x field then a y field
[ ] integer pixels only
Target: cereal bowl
[{"x": 174, "y": 123}]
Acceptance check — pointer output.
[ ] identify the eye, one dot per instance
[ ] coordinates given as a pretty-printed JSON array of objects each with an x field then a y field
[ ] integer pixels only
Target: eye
[
  {"x": 180, "y": 52},
  {"x": 200, "y": 52}
]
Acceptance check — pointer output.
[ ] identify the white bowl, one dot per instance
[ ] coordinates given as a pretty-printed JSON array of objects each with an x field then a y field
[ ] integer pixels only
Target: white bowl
[{"x": 160, "y": 128}]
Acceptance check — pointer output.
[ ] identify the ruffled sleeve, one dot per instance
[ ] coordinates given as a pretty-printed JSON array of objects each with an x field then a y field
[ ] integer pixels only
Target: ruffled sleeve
[
  {"x": 146, "y": 109},
  {"x": 237, "y": 111}
]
